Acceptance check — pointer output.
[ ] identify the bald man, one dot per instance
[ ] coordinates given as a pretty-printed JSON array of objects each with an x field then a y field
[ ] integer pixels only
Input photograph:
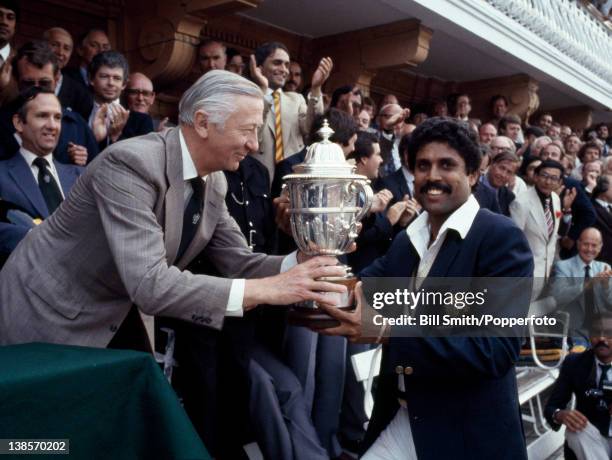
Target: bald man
[
  {"x": 140, "y": 96},
  {"x": 71, "y": 93}
]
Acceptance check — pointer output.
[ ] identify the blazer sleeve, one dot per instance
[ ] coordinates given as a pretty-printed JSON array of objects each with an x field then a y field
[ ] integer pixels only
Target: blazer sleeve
[
  {"x": 125, "y": 198},
  {"x": 518, "y": 213},
  {"x": 583, "y": 213},
  {"x": 561, "y": 394}
]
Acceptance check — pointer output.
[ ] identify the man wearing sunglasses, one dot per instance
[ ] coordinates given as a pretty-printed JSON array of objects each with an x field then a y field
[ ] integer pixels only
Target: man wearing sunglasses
[{"x": 35, "y": 65}]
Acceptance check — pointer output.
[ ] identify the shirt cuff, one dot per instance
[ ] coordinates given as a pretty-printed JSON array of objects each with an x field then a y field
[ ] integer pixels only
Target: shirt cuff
[
  {"x": 289, "y": 262},
  {"x": 236, "y": 297}
]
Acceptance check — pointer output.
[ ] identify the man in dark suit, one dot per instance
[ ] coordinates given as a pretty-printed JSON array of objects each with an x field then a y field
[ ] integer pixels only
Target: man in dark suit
[
  {"x": 9, "y": 15},
  {"x": 602, "y": 202},
  {"x": 109, "y": 120},
  {"x": 588, "y": 431},
  {"x": 36, "y": 65},
  {"x": 446, "y": 397},
  {"x": 72, "y": 94},
  {"x": 502, "y": 170},
  {"x": 35, "y": 188},
  {"x": 95, "y": 41}
]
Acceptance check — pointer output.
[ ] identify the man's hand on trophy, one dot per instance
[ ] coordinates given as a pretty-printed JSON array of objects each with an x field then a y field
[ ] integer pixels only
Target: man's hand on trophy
[
  {"x": 356, "y": 325},
  {"x": 298, "y": 284}
]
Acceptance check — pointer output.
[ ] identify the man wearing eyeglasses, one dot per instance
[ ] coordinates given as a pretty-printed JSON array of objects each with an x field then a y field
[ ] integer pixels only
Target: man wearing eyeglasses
[
  {"x": 140, "y": 96},
  {"x": 538, "y": 212},
  {"x": 35, "y": 65}
]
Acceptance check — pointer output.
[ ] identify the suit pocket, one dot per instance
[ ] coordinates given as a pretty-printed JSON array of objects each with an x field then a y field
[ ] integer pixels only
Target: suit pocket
[{"x": 56, "y": 293}]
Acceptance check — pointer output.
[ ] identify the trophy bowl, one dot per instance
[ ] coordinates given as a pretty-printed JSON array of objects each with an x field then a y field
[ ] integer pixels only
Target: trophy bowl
[{"x": 327, "y": 202}]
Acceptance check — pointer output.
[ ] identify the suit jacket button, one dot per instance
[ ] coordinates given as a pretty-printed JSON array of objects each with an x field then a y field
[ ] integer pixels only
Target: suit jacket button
[
  {"x": 113, "y": 328},
  {"x": 399, "y": 369},
  {"x": 408, "y": 370}
]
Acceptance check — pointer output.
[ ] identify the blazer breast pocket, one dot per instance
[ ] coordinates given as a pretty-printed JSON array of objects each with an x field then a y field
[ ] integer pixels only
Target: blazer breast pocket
[{"x": 58, "y": 294}]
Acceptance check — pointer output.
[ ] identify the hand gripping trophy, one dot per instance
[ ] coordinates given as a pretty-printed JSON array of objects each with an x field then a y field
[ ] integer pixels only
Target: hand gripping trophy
[{"x": 327, "y": 201}]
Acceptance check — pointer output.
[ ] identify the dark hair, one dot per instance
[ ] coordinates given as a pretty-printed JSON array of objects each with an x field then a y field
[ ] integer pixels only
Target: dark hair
[
  {"x": 26, "y": 96},
  {"x": 534, "y": 131},
  {"x": 231, "y": 52},
  {"x": 602, "y": 186},
  {"x": 367, "y": 100},
  {"x": 549, "y": 164},
  {"x": 12, "y": 5},
  {"x": 544, "y": 114},
  {"x": 496, "y": 97},
  {"x": 448, "y": 131},
  {"x": 588, "y": 145},
  {"x": 508, "y": 119},
  {"x": 341, "y": 92},
  {"x": 342, "y": 123},
  {"x": 38, "y": 53},
  {"x": 111, "y": 59},
  {"x": 83, "y": 36},
  {"x": 531, "y": 159},
  {"x": 263, "y": 51},
  {"x": 453, "y": 100},
  {"x": 404, "y": 147},
  {"x": 364, "y": 146}
]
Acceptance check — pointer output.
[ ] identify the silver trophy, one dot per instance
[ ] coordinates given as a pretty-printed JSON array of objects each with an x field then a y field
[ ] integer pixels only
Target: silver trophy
[{"x": 327, "y": 201}]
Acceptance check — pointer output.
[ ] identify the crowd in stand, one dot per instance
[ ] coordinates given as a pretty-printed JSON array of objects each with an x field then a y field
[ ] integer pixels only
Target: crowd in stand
[{"x": 286, "y": 387}]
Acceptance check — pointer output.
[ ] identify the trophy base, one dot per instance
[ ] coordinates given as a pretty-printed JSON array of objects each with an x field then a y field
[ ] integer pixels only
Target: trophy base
[{"x": 307, "y": 314}]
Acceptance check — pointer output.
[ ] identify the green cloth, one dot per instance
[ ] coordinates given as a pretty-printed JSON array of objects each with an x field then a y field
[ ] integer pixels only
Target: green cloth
[{"x": 110, "y": 404}]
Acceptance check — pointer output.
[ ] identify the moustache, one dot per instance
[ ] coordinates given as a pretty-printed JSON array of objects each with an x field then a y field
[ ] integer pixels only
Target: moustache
[{"x": 435, "y": 185}]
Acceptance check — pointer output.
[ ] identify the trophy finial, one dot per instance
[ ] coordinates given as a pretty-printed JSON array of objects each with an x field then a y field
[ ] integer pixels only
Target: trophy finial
[{"x": 325, "y": 132}]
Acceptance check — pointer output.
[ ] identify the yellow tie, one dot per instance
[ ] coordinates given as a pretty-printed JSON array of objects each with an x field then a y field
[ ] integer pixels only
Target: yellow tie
[{"x": 278, "y": 131}]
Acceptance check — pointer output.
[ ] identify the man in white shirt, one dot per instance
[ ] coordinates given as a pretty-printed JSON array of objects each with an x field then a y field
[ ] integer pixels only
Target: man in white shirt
[{"x": 32, "y": 181}]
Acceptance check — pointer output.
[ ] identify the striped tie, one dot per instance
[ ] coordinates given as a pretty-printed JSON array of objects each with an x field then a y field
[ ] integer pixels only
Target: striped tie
[
  {"x": 550, "y": 223},
  {"x": 278, "y": 130}
]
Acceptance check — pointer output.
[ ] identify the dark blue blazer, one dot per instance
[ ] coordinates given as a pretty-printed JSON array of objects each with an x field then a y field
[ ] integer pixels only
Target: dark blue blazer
[
  {"x": 18, "y": 186},
  {"x": 138, "y": 124},
  {"x": 487, "y": 197},
  {"x": 75, "y": 96},
  {"x": 396, "y": 184},
  {"x": 74, "y": 129},
  {"x": 583, "y": 213},
  {"x": 462, "y": 395},
  {"x": 578, "y": 374}
]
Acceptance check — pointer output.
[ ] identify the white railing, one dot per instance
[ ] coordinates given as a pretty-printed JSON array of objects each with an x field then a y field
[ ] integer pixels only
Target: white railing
[{"x": 569, "y": 27}]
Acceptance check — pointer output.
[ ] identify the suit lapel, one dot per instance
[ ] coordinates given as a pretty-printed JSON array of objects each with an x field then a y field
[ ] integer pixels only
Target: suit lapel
[
  {"x": 21, "y": 173},
  {"x": 447, "y": 255},
  {"x": 174, "y": 200},
  {"x": 537, "y": 211},
  {"x": 286, "y": 121},
  {"x": 66, "y": 177}
]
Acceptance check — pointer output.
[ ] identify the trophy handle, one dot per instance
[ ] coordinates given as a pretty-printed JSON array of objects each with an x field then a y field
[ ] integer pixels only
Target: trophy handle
[{"x": 363, "y": 186}]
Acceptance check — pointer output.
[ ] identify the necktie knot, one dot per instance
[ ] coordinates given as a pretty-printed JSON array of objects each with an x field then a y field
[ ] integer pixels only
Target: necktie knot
[
  {"x": 40, "y": 163},
  {"x": 604, "y": 374},
  {"x": 587, "y": 271}
]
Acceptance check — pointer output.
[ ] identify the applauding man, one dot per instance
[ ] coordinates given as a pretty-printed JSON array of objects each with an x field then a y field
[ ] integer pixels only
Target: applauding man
[
  {"x": 109, "y": 120},
  {"x": 287, "y": 116}
]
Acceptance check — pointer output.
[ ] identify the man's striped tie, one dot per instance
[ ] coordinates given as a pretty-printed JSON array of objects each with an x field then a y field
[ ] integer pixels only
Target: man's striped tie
[
  {"x": 278, "y": 130},
  {"x": 550, "y": 223}
]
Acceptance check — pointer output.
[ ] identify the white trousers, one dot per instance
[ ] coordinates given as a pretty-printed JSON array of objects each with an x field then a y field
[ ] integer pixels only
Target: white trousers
[
  {"x": 395, "y": 441},
  {"x": 589, "y": 444}
]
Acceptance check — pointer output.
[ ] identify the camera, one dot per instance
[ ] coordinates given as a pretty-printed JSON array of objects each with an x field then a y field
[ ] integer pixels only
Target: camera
[{"x": 602, "y": 396}]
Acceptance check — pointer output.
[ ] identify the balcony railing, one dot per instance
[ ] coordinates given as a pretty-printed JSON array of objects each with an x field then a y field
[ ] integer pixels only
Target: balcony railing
[{"x": 569, "y": 27}]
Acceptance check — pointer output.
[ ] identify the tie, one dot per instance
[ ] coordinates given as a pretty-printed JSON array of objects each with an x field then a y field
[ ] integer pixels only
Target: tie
[
  {"x": 550, "y": 223},
  {"x": 47, "y": 184},
  {"x": 589, "y": 298},
  {"x": 192, "y": 215},
  {"x": 604, "y": 373},
  {"x": 278, "y": 130}
]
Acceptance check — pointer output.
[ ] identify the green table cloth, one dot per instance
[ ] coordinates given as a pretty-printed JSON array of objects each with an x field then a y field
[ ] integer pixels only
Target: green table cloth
[{"x": 110, "y": 404}]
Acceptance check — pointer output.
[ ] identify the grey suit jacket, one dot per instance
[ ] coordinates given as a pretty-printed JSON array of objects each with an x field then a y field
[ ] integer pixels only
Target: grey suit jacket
[
  {"x": 296, "y": 119},
  {"x": 113, "y": 242}
]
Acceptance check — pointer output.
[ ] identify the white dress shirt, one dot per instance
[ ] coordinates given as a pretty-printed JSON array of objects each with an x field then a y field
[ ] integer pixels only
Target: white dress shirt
[
  {"x": 29, "y": 157},
  {"x": 5, "y": 52},
  {"x": 236, "y": 295}
]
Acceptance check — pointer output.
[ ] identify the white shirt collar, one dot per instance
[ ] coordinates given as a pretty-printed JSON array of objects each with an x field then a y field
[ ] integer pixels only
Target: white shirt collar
[
  {"x": 461, "y": 221},
  {"x": 29, "y": 157},
  {"x": 58, "y": 87},
  {"x": 5, "y": 51},
  {"x": 189, "y": 169}
]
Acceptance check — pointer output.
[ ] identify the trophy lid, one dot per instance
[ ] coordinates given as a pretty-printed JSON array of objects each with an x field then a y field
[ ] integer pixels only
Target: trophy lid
[{"x": 324, "y": 158}]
